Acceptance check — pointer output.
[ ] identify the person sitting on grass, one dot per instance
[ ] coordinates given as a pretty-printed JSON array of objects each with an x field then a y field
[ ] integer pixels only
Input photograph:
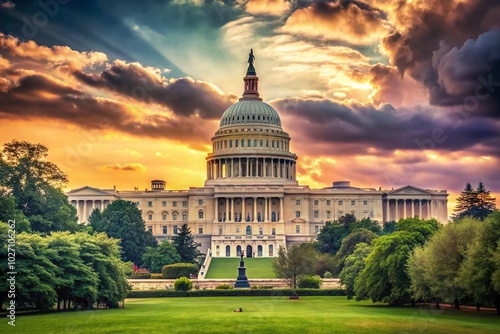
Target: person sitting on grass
[{"x": 238, "y": 310}]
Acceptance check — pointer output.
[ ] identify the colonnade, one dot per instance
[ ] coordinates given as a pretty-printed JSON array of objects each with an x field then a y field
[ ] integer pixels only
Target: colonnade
[
  {"x": 256, "y": 213},
  {"x": 85, "y": 207},
  {"x": 251, "y": 167},
  {"x": 396, "y": 209}
]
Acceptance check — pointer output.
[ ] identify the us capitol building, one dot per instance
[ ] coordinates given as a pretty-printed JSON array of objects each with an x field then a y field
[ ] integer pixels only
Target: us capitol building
[{"x": 251, "y": 200}]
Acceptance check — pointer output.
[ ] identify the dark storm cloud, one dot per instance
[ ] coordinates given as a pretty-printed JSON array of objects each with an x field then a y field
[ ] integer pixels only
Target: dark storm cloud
[
  {"x": 184, "y": 96},
  {"x": 41, "y": 97},
  {"x": 340, "y": 129}
]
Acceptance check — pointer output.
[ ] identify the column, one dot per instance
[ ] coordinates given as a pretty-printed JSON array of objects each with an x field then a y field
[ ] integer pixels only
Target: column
[
  {"x": 397, "y": 213},
  {"x": 78, "y": 211},
  {"x": 265, "y": 209},
  {"x": 431, "y": 209},
  {"x": 404, "y": 208},
  {"x": 232, "y": 210},
  {"x": 243, "y": 217},
  {"x": 255, "y": 209},
  {"x": 239, "y": 167},
  {"x": 281, "y": 210},
  {"x": 388, "y": 213},
  {"x": 412, "y": 208},
  {"x": 264, "y": 171},
  {"x": 227, "y": 209},
  {"x": 272, "y": 167},
  {"x": 248, "y": 174},
  {"x": 84, "y": 211},
  {"x": 216, "y": 201}
]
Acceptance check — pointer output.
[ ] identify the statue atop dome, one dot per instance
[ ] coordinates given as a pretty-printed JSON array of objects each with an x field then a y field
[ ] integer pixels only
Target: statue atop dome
[{"x": 251, "y": 57}]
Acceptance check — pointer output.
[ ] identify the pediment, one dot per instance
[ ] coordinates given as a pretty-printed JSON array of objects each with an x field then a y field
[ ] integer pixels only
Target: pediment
[
  {"x": 406, "y": 190},
  {"x": 88, "y": 191}
]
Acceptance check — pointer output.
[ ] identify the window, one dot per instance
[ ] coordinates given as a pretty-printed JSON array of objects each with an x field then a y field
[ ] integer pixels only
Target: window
[
  {"x": 150, "y": 204},
  {"x": 271, "y": 250},
  {"x": 184, "y": 216},
  {"x": 328, "y": 202},
  {"x": 267, "y": 143},
  {"x": 164, "y": 203},
  {"x": 255, "y": 143},
  {"x": 297, "y": 228},
  {"x": 328, "y": 214},
  {"x": 175, "y": 229},
  {"x": 261, "y": 143},
  {"x": 163, "y": 216},
  {"x": 164, "y": 229},
  {"x": 200, "y": 230},
  {"x": 297, "y": 214},
  {"x": 236, "y": 142},
  {"x": 174, "y": 216},
  {"x": 174, "y": 204},
  {"x": 353, "y": 202},
  {"x": 316, "y": 214},
  {"x": 249, "y": 142},
  {"x": 220, "y": 230},
  {"x": 237, "y": 230},
  {"x": 225, "y": 143},
  {"x": 261, "y": 230},
  {"x": 184, "y": 204},
  {"x": 341, "y": 202},
  {"x": 297, "y": 202},
  {"x": 273, "y": 231},
  {"x": 230, "y": 144},
  {"x": 365, "y": 202},
  {"x": 150, "y": 216},
  {"x": 200, "y": 214},
  {"x": 316, "y": 229},
  {"x": 150, "y": 229},
  {"x": 316, "y": 202},
  {"x": 272, "y": 144},
  {"x": 243, "y": 143},
  {"x": 200, "y": 202}
]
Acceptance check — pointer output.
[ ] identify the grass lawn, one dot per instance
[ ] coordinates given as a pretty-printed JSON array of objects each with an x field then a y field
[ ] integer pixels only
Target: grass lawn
[
  {"x": 228, "y": 268},
  {"x": 260, "y": 315}
]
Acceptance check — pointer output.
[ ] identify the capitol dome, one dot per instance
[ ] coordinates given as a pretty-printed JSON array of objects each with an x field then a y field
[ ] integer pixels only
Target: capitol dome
[{"x": 250, "y": 112}]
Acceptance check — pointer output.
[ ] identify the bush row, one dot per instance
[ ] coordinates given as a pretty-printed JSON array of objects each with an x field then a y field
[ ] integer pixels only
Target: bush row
[
  {"x": 235, "y": 292},
  {"x": 177, "y": 270}
]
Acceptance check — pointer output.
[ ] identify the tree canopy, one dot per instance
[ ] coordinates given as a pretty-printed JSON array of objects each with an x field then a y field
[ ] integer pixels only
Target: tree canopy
[
  {"x": 156, "y": 257},
  {"x": 123, "y": 220},
  {"x": 476, "y": 203}
]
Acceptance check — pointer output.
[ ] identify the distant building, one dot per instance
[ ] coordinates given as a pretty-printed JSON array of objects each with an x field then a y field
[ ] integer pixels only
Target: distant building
[{"x": 251, "y": 200}]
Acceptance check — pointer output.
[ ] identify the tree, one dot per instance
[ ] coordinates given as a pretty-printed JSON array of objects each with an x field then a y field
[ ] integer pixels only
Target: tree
[
  {"x": 157, "y": 257},
  {"x": 296, "y": 261},
  {"x": 477, "y": 270},
  {"x": 435, "y": 268},
  {"x": 360, "y": 235},
  {"x": 354, "y": 264},
  {"x": 330, "y": 237},
  {"x": 8, "y": 211},
  {"x": 426, "y": 228},
  {"x": 36, "y": 184},
  {"x": 185, "y": 245},
  {"x": 474, "y": 203},
  {"x": 123, "y": 220}
]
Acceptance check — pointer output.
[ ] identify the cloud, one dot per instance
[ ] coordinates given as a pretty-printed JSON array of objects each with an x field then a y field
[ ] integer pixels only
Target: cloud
[
  {"x": 128, "y": 167},
  {"x": 268, "y": 7},
  {"x": 345, "y": 21},
  {"x": 7, "y": 4},
  {"x": 128, "y": 151},
  {"x": 183, "y": 96}
]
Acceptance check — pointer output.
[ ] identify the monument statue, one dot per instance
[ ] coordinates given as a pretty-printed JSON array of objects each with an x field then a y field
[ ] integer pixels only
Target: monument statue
[
  {"x": 251, "y": 57},
  {"x": 242, "y": 280},
  {"x": 242, "y": 253}
]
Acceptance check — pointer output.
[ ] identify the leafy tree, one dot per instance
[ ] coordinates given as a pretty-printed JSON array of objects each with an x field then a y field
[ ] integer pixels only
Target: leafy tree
[
  {"x": 474, "y": 203},
  {"x": 295, "y": 261},
  {"x": 123, "y": 220},
  {"x": 439, "y": 262},
  {"x": 352, "y": 240},
  {"x": 36, "y": 186},
  {"x": 157, "y": 257},
  {"x": 384, "y": 278},
  {"x": 477, "y": 270},
  {"x": 354, "y": 264},
  {"x": 424, "y": 227},
  {"x": 8, "y": 211},
  {"x": 418, "y": 267},
  {"x": 389, "y": 227},
  {"x": 186, "y": 246},
  {"x": 330, "y": 237}
]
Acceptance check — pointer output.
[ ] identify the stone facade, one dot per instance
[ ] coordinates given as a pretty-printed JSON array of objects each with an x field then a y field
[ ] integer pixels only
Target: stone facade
[{"x": 251, "y": 199}]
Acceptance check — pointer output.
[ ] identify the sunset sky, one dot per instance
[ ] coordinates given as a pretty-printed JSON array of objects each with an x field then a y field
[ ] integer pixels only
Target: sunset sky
[{"x": 383, "y": 93}]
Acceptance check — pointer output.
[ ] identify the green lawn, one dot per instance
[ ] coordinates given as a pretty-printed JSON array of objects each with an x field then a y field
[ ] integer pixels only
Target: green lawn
[
  {"x": 260, "y": 315},
  {"x": 228, "y": 268}
]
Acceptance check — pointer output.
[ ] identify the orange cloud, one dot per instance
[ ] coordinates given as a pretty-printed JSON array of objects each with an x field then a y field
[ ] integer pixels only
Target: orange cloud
[
  {"x": 341, "y": 21},
  {"x": 268, "y": 7},
  {"x": 129, "y": 167}
]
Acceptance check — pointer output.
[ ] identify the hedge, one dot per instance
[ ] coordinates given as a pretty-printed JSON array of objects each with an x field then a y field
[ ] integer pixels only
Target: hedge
[
  {"x": 235, "y": 293},
  {"x": 178, "y": 270}
]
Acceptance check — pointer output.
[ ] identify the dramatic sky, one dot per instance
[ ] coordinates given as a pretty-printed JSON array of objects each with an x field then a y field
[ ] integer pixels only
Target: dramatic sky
[{"x": 383, "y": 93}]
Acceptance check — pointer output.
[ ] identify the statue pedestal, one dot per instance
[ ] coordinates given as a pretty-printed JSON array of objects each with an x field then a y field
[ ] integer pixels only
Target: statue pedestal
[{"x": 242, "y": 280}]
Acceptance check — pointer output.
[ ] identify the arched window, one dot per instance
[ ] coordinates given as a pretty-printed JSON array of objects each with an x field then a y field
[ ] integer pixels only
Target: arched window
[
  {"x": 271, "y": 250},
  {"x": 316, "y": 214},
  {"x": 150, "y": 216},
  {"x": 228, "y": 251},
  {"x": 174, "y": 215},
  {"x": 238, "y": 250},
  {"x": 259, "y": 250},
  {"x": 164, "y": 216},
  {"x": 184, "y": 216},
  {"x": 328, "y": 214},
  {"x": 249, "y": 230},
  {"x": 273, "y": 216},
  {"x": 200, "y": 214},
  {"x": 297, "y": 214},
  {"x": 217, "y": 250}
]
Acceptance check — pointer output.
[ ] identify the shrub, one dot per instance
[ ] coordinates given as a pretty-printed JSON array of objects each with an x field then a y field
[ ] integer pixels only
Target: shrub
[
  {"x": 235, "y": 292},
  {"x": 183, "y": 284},
  {"x": 140, "y": 276},
  {"x": 177, "y": 270},
  {"x": 327, "y": 274},
  {"x": 156, "y": 276},
  {"x": 224, "y": 287},
  {"x": 310, "y": 282},
  {"x": 255, "y": 287}
]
